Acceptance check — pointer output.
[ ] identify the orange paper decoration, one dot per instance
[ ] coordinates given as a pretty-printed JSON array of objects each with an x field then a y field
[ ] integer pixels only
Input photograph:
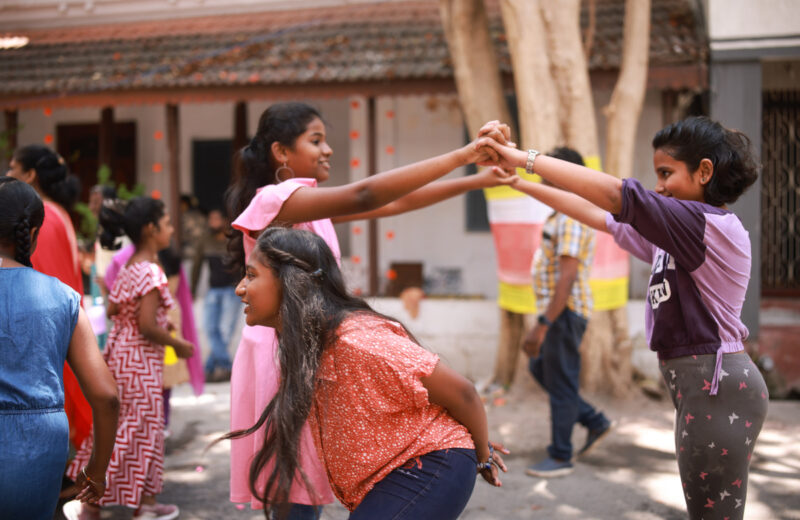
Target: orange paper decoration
[
  {"x": 354, "y": 134},
  {"x": 158, "y": 135},
  {"x": 355, "y": 104},
  {"x": 156, "y": 194},
  {"x": 391, "y": 274},
  {"x": 48, "y": 138},
  {"x": 356, "y": 230},
  {"x": 390, "y": 114},
  {"x": 48, "y": 111},
  {"x": 389, "y": 235},
  {"x": 355, "y": 162},
  {"x": 390, "y": 150},
  {"x": 357, "y": 291},
  {"x": 356, "y": 259},
  {"x": 157, "y": 167}
]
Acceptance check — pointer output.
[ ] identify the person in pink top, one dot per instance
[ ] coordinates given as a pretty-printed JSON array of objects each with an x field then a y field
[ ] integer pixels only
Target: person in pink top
[
  {"x": 401, "y": 435},
  {"x": 275, "y": 183}
]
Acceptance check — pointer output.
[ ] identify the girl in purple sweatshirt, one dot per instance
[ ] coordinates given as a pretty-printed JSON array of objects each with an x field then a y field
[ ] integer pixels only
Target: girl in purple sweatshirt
[{"x": 700, "y": 256}]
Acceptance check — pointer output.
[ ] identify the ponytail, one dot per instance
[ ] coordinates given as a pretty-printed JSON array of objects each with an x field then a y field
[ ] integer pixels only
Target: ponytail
[
  {"x": 52, "y": 175},
  {"x": 128, "y": 219},
  {"x": 254, "y": 166}
]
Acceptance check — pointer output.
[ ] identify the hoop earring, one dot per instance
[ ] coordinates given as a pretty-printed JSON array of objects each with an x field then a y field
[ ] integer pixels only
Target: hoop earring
[{"x": 278, "y": 171}]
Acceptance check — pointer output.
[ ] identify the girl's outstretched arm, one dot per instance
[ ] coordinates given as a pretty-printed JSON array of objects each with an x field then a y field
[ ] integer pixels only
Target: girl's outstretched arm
[
  {"x": 436, "y": 192},
  {"x": 601, "y": 189},
  {"x": 378, "y": 190},
  {"x": 565, "y": 202},
  {"x": 100, "y": 389},
  {"x": 457, "y": 395}
]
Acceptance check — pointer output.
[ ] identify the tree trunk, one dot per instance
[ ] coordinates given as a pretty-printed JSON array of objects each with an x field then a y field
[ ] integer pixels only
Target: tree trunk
[
  {"x": 607, "y": 348},
  {"x": 537, "y": 99},
  {"x": 626, "y": 102},
  {"x": 480, "y": 89},
  {"x": 571, "y": 75}
]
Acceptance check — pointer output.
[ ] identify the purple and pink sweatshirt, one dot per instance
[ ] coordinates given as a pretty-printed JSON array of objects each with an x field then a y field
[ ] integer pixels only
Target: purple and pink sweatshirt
[{"x": 700, "y": 256}]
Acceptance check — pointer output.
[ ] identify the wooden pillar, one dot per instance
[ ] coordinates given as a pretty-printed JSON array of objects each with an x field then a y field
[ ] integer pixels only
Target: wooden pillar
[
  {"x": 173, "y": 150},
  {"x": 105, "y": 145},
  {"x": 12, "y": 128},
  {"x": 239, "y": 126},
  {"x": 372, "y": 168}
]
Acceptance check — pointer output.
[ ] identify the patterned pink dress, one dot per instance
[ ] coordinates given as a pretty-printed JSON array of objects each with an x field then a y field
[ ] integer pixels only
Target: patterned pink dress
[
  {"x": 254, "y": 378},
  {"x": 137, "y": 464}
]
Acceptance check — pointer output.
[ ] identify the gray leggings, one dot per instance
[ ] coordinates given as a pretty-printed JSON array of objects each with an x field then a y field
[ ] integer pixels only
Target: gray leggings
[{"x": 715, "y": 434}]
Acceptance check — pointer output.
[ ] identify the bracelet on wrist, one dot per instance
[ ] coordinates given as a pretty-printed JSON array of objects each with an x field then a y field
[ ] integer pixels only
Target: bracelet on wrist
[
  {"x": 529, "y": 163},
  {"x": 488, "y": 464}
]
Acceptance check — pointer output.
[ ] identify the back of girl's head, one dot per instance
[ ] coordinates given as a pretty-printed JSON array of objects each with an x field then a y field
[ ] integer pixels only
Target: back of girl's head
[
  {"x": 128, "y": 219},
  {"x": 696, "y": 138},
  {"x": 52, "y": 174},
  {"x": 21, "y": 210},
  {"x": 254, "y": 165}
]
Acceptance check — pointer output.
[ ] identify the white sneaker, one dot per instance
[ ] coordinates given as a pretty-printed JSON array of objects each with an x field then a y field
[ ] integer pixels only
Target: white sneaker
[{"x": 156, "y": 512}]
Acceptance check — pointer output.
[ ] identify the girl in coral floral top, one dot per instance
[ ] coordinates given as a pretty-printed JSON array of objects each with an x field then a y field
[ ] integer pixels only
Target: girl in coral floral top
[{"x": 400, "y": 434}]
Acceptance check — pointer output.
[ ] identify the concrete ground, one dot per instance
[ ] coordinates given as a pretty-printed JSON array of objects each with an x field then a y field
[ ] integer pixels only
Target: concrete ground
[{"x": 631, "y": 475}]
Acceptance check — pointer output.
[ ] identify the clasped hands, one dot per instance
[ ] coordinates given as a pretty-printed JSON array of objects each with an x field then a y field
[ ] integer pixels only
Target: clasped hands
[{"x": 493, "y": 147}]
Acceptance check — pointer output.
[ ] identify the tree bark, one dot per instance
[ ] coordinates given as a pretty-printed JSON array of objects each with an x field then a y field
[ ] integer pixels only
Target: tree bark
[
  {"x": 606, "y": 349},
  {"x": 477, "y": 75},
  {"x": 628, "y": 97},
  {"x": 537, "y": 99},
  {"x": 571, "y": 75}
]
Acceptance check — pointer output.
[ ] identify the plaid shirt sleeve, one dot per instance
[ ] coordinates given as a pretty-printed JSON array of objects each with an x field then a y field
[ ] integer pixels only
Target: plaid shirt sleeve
[{"x": 572, "y": 238}]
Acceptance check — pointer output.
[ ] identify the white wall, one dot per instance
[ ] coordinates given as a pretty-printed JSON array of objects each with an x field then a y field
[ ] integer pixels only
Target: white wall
[{"x": 742, "y": 19}]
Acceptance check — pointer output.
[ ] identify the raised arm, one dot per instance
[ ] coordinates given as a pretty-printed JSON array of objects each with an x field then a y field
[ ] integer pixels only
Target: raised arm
[
  {"x": 457, "y": 395},
  {"x": 565, "y": 202},
  {"x": 436, "y": 192},
  {"x": 378, "y": 190},
  {"x": 100, "y": 389},
  {"x": 601, "y": 189}
]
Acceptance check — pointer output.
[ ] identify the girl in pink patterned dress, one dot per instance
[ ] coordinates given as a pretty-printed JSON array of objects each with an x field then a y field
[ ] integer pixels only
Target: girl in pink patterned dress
[
  {"x": 139, "y": 301},
  {"x": 275, "y": 183}
]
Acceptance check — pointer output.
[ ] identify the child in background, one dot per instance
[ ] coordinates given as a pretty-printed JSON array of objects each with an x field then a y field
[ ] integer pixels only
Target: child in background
[
  {"x": 700, "y": 254},
  {"x": 139, "y": 300},
  {"x": 41, "y": 326},
  {"x": 401, "y": 435}
]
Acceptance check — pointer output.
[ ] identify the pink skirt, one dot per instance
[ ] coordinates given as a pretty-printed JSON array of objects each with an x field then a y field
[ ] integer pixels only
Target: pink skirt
[{"x": 254, "y": 382}]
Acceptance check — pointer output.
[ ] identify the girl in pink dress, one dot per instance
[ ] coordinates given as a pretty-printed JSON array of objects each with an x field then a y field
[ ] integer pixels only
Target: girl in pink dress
[
  {"x": 139, "y": 301},
  {"x": 275, "y": 183}
]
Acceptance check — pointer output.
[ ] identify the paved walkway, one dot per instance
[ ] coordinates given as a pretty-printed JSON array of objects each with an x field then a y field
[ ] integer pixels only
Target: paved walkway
[{"x": 632, "y": 475}]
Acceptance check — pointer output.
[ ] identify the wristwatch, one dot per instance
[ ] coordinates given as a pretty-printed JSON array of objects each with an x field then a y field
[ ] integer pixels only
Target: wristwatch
[{"x": 542, "y": 319}]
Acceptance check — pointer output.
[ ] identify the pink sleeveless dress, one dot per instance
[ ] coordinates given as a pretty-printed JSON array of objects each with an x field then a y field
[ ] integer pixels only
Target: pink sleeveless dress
[{"x": 255, "y": 373}]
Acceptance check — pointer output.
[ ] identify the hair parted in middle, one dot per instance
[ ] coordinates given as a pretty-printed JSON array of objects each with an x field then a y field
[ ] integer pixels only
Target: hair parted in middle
[
  {"x": 314, "y": 303},
  {"x": 21, "y": 210}
]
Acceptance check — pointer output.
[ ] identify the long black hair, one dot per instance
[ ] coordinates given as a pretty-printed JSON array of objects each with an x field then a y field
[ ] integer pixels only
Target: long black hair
[
  {"x": 314, "y": 303},
  {"x": 21, "y": 210},
  {"x": 52, "y": 174},
  {"x": 254, "y": 166},
  {"x": 128, "y": 219},
  {"x": 696, "y": 138}
]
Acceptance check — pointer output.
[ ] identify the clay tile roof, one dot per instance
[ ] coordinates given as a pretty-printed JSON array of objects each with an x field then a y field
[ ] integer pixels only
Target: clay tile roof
[{"x": 350, "y": 43}]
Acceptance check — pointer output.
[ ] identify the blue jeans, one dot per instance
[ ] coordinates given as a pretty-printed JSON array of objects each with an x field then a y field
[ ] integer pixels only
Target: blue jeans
[
  {"x": 436, "y": 486},
  {"x": 220, "y": 314},
  {"x": 557, "y": 369},
  {"x": 301, "y": 512}
]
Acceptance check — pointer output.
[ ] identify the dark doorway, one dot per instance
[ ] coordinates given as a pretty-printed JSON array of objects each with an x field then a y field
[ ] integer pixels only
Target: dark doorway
[
  {"x": 211, "y": 171},
  {"x": 79, "y": 146}
]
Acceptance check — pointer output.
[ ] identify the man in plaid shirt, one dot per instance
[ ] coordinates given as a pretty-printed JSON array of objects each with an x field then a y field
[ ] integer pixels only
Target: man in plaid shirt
[{"x": 561, "y": 270}]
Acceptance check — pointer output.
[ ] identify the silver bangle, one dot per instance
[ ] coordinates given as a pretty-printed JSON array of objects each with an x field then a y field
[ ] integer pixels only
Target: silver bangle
[{"x": 529, "y": 163}]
